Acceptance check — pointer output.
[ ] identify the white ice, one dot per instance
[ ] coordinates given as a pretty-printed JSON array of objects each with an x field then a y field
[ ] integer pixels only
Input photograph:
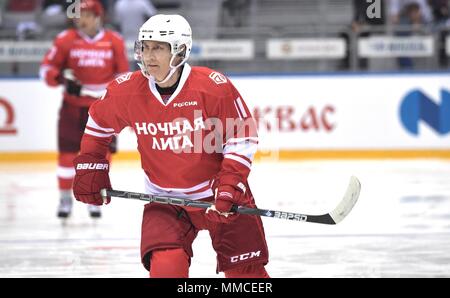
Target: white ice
[{"x": 400, "y": 226}]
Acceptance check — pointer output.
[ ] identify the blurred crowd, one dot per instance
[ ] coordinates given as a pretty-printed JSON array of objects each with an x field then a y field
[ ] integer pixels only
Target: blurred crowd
[
  {"x": 35, "y": 16},
  {"x": 32, "y": 18},
  {"x": 407, "y": 17},
  {"x": 402, "y": 12}
]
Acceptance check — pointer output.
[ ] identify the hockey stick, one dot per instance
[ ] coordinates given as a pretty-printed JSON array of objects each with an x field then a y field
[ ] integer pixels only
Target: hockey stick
[{"x": 332, "y": 218}]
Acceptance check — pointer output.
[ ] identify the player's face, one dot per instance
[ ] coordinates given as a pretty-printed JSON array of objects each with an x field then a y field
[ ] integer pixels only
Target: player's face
[
  {"x": 88, "y": 23},
  {"x": 156, "y": 57}
]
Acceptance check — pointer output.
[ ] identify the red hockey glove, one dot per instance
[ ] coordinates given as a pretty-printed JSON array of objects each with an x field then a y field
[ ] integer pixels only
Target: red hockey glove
[
  {"x": 92, "y": 174},
  {"x": 229, "y": 191},
  {"x": 53, "y": 77}
]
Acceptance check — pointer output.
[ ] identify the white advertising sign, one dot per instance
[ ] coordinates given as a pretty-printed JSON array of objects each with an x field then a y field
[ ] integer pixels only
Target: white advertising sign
[
  {"x": 223, "y": 49},
  {"x": 28, "y": 115},
  {"x": 306, "y": 48},
  {"x": 396, "y": 46},
  {"x": 293, "y": 112},
  {"x": 350, "y": 112},
  {"x": 33, "y": 51},
  {"x": 23, "y": 51},
  {"x": 447, "y": 45}
]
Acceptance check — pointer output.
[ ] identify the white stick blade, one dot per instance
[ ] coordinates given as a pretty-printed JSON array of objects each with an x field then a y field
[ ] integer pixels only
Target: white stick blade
[{"x": 349, "y": 200}]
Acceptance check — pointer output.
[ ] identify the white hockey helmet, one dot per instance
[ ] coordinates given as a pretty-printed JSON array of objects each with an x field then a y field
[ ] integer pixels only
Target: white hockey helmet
[{"x": 173, "y": 29}]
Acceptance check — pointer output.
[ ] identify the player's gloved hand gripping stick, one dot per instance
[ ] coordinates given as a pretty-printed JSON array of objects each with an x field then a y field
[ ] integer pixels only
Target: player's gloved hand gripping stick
[
  {"x": 331, "y": 218},
  {"x": 74, "y": 87}
]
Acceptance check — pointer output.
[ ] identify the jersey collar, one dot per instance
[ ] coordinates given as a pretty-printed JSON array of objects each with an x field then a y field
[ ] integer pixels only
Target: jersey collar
[
  {"x": 94, "y": 39},
  {"x": 184, "y": 75}
]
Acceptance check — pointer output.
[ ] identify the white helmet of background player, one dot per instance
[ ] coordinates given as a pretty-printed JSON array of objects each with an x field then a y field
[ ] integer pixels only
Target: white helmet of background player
[{"x": 173, "y": 29}]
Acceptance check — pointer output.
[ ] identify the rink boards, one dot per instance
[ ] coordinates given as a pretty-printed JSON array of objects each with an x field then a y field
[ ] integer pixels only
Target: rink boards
[{"x": 298, "y": 116}]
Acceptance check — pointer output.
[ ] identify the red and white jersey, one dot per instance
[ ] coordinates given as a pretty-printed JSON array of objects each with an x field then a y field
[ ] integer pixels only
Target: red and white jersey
[
  {"x": 204, "y": 128},
  {"x": 94, "y": 61}
]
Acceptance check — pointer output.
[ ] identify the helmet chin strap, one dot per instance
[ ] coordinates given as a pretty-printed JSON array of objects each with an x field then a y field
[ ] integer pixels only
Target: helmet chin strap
[{"x": 169, "y": 75}]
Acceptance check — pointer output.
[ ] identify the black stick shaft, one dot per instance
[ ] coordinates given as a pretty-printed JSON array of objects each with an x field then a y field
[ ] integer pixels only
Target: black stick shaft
[{"x": 323, "y": 219}]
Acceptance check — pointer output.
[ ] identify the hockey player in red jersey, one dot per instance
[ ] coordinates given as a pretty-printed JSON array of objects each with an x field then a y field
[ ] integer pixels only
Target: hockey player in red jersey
[
  {"x": 85, "y": 60},
  {"x": 196, "y": 138}
]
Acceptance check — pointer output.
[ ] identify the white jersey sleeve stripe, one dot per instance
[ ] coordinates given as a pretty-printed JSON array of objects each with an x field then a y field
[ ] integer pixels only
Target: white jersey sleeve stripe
[
  {"x": 96, "y": 87},
  {"x": 65, "y": 172},
  {"x": 241, "y": 107},
  {"x": 43, "y": 71},
  {"x": 195, "y": 196},
  {"x": 240, "y": 140},
  {"x": 155, "y": 189},
  {"x": 93, "y": 124},
  {"x": 238, "y": 159},
  {"x": 171, "y": 189},
  {"x": 237, "y": 110},
  {"x": 245, "y": 149},
  {"x": 97, "y": 134}
]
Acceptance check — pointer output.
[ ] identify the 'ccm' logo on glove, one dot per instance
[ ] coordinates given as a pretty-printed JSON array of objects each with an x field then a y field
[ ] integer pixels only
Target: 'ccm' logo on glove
[{"x": 92, "y": 166}]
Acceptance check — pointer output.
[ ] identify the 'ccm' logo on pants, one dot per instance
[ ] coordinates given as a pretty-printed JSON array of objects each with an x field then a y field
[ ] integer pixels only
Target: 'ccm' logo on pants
[{"x": 245, "y": 256}]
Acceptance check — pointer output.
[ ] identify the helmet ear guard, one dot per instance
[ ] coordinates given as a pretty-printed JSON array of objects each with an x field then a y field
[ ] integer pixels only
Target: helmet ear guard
[{"x": 182, "y": 52}]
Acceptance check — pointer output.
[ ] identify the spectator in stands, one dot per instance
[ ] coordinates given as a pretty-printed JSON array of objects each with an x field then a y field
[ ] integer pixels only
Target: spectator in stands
[
  {"x": 362, "y": 21},
  {"x": 21, "y": 16},
  {"x": 54, "y": 14},
  {"x": 411, "y": 15},
  {"x": 397, "y": 8},
  {"x": 235, "y": 13},
  {"x": 130, "y": 15},
  {"x": 28, "y": 30},
  {"x": 440, "y": 12},
  {"x": 360, "y": 27}
]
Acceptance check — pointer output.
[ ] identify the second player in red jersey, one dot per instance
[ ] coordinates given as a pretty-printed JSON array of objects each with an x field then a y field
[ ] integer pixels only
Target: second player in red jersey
[
  {"x": 84, "y": 59},
  {"x": 196, "y": 138}
]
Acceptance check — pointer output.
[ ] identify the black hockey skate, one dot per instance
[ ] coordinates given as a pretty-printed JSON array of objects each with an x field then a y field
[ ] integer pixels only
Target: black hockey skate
[
  {"x": 64, "y": 207},
  {"x": 94, "y": 211}
]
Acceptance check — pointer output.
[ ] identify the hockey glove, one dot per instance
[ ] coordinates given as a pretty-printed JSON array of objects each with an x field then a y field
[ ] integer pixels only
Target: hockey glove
[
  {"x": 53, "y": 77},
  {"x": 73, "y": 87},
  {"x": 229, "y": 191},
  {"x": 92, "y": 174}
]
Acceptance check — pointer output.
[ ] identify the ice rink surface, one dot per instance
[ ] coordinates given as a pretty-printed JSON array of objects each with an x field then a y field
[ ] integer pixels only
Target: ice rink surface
[{"x": 400, "y": 226}]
